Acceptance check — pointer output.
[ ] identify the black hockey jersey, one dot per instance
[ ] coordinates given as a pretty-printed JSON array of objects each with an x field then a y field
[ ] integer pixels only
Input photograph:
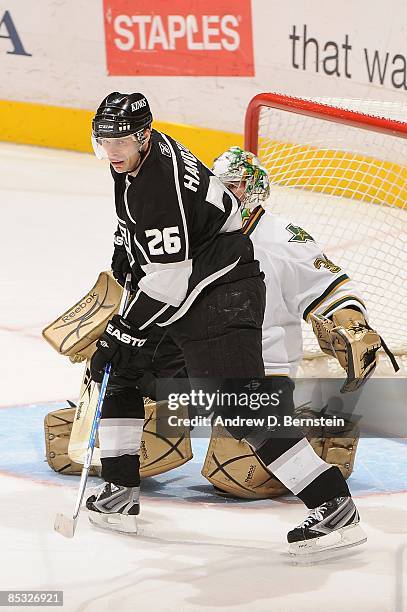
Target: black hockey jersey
[{"x": 181, "y": 227}]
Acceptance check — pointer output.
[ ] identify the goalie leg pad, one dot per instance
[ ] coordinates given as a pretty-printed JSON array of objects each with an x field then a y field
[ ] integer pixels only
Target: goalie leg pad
[
  {"x": 234, "y": 468},
  {"x": 335, "y": 446},
  {"x": 159, "y": 452},
  {"x": 58, "y": 426}
]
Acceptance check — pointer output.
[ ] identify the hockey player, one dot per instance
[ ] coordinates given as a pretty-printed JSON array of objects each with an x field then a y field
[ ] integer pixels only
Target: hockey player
[
  {"x": 304, "y": 283},
  {"x": 197, "y": 278}
]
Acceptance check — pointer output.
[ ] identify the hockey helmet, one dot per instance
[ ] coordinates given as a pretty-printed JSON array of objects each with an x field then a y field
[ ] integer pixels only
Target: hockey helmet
[
  {"x": 237, "y": 167},
  {"x": 119, "y": 116}
]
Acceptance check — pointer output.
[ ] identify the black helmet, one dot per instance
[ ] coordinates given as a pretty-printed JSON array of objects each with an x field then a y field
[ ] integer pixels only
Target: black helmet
[{"x": 121, "y": 114}]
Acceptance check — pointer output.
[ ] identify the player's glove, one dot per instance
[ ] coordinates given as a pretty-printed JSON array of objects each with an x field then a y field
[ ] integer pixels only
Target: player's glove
[
  {"x": 120, "y": 261},
  {"x": 121, "y": 344},
  {"x": 350, "y": 339}
]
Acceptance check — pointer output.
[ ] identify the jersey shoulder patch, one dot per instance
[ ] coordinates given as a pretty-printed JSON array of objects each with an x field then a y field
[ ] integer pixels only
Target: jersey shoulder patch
[
  {"x": 298, "y": 234},
  {"x": 165, "y": 149}
]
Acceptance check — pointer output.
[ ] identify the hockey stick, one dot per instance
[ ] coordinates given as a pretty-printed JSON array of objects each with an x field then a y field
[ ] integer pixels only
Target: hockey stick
[{"x": 66, "y": 525}]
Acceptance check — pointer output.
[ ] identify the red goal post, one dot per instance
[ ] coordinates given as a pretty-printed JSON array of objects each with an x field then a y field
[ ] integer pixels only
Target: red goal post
[{"x": 313, "y": 109}]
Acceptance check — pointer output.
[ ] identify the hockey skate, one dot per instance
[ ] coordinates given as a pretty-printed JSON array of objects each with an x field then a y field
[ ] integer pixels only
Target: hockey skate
[
  {"x": 115, "y": 507},
  {"x": 328, "y": 529}
]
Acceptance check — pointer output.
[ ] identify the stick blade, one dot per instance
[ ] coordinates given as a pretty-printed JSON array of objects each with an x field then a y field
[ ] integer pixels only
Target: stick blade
[{"x": 65, "y": 525}]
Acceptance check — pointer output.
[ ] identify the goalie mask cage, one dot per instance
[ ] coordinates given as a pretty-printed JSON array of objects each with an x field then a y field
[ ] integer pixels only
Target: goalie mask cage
[{"x": 338, "y": 169}]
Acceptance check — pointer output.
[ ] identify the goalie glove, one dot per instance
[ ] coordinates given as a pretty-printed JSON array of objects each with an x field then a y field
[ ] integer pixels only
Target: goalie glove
[
  {"x": 350, "y": 339},
  {"x": 121, "y": 344}
]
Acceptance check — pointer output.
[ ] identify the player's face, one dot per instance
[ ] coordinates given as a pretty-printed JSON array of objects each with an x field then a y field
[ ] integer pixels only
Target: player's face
[
  {"x": 238, "y": 189},
  {"x": 122, "y": 153}
]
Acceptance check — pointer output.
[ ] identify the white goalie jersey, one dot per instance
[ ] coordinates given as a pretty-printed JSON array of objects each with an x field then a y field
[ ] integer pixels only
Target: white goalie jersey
[{"x": 300, "y": 280}]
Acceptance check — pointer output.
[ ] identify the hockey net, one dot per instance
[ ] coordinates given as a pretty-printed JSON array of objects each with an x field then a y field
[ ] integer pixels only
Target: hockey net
[{"x": 338, "y": 168}]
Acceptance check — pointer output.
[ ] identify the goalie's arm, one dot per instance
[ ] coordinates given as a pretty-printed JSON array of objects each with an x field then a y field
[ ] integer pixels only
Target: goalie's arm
[{"x": 324, "y": 295}]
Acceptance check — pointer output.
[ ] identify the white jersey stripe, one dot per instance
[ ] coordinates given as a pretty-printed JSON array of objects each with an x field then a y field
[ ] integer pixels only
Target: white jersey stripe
[
  {"x": 138, "y": 245},
  {"x": 155, "y": 316},
  {"x": 178, "y": 190},
  {"x": 130, "y": 306}
]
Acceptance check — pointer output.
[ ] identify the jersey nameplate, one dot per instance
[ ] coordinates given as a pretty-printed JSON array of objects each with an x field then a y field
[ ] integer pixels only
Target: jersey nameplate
[{"x": 191, "y": 175}]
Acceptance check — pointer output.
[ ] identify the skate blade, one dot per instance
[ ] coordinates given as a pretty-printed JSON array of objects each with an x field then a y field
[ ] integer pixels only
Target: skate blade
[
  {"x": 331, "y": 546},
  {"x": 121, "y": 523},
  {"x": 65, "y": 525}
]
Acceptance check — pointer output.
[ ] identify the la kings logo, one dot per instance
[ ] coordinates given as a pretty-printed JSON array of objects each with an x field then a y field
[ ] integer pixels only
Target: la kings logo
[{"x": 165, "y": 149}]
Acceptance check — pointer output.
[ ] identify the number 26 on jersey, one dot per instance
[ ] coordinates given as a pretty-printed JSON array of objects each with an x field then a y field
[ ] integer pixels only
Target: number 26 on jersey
[{"x": 164, "y": 241}]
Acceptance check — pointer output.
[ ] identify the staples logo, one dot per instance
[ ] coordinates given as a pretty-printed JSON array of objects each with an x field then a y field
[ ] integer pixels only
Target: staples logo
[
  {"x": 208, "y": 38},
  {"x": 150, "y": 32}
]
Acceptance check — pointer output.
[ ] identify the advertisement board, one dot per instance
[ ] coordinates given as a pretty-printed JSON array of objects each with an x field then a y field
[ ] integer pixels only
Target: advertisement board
[{"x": 157, "y": 38}]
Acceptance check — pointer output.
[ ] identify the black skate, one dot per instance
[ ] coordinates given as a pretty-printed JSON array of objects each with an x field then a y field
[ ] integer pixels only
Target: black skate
[
  {"x": 115, "y": 507},
  {"x": 331, "y": 527}
]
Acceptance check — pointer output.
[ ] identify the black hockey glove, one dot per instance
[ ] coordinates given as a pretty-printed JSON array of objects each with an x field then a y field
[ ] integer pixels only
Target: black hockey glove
[
  {"x": 120, "y": 261},
  {"x": 121, "y": 344}
]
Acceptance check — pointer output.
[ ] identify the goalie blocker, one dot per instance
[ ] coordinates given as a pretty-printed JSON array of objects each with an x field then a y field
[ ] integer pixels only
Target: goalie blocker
[{"x": 75, "y": 332}]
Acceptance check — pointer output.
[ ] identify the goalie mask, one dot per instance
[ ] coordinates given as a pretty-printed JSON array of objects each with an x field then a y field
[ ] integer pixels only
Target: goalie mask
[
  {"x": 119, "y": 126},
  {"x": 241, "y": 172}
]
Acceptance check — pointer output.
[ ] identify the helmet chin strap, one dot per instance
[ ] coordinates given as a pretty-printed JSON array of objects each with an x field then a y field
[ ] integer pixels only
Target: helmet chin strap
[{"x": 142, "y": 154}]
